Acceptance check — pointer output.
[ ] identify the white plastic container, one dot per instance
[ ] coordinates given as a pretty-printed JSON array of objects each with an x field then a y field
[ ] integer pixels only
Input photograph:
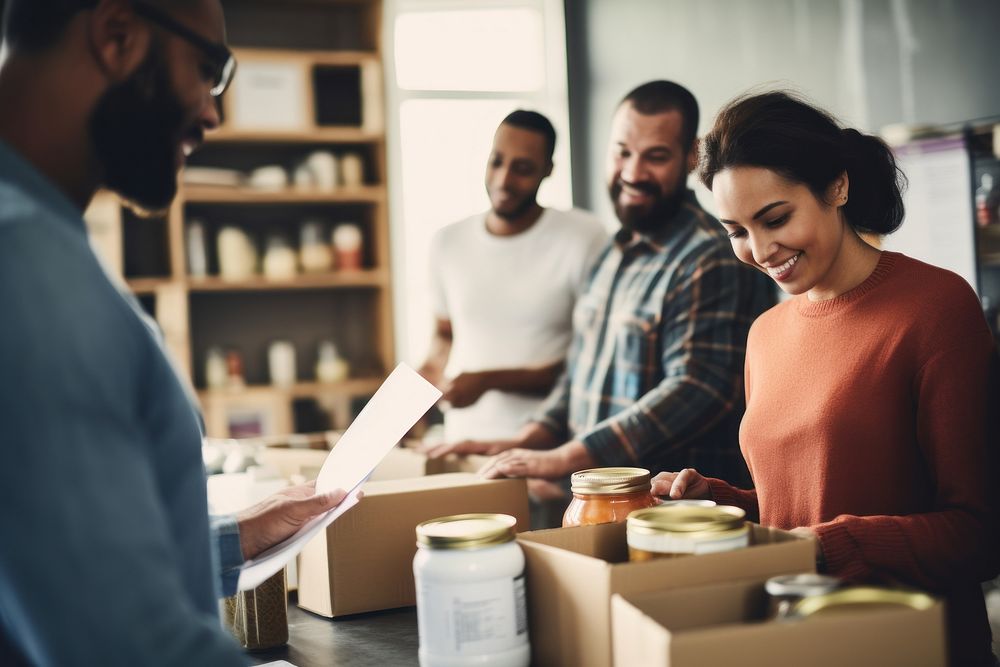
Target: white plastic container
[{"x": 471, "y": 607}]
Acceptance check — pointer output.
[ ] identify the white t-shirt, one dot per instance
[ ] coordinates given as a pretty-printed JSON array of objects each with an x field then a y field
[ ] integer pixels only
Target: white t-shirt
[{"x": 510, "y": 301}]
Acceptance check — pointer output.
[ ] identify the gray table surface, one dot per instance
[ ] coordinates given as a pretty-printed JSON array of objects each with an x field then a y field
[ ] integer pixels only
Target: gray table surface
[{"x": 380, "y": 639}]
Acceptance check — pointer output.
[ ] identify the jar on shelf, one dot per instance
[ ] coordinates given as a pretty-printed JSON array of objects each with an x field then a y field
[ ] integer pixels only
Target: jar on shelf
[
  {"x": 280, "y": 261},
  {"x": 315, "y": 254},
  {"x": 683, "y": 530},
  {"x": 234, "y": 371},
  {"x": 197, "y": 255},
  {"x": 237, "y": 254},
  {"x": 347, "y": 246},
  {"x": 330, "y": 366},
  {"x": 469, "y": 575},
  {"x": 607, "y": 495},
  {"x": 216, "y": 368},
  {"x": 352, "y": 170},
  {"x": 281, "y": 363}
]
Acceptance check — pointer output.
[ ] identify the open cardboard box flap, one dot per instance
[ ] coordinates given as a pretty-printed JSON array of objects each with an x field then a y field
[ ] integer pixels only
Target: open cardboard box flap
[
  {"x": 573, "y": 572},
  {"x": 721, "y": 624}
]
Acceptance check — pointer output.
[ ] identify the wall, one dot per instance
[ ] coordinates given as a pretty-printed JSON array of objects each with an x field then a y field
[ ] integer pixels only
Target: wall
[{"x": 871, "y": 63}]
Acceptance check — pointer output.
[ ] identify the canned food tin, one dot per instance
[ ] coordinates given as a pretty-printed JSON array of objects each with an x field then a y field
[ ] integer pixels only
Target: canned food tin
[
  {"x": 860, "y": 597},
  {"x": 786, "y": 590},
  {"x": 681, "y": 530}
]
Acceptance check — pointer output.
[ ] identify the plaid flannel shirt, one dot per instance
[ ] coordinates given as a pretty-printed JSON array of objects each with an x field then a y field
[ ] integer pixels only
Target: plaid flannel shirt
[{"x": 655, "y": 371}]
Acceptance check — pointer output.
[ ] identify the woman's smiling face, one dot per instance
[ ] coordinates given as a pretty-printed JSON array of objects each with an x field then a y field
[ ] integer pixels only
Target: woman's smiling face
[{"x": 783, "y": 229}]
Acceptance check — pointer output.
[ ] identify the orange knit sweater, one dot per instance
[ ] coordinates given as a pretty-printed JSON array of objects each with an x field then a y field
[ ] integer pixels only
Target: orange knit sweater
[{"x": 870, "y": 419}]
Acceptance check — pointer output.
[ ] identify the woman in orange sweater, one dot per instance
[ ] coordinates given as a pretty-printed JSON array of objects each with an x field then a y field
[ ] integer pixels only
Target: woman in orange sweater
[{"x": 872, "y": 392}]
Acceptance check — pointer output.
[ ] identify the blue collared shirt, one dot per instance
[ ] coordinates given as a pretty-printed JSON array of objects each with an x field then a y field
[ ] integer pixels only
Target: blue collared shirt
[{"x": 106, "y": 555}]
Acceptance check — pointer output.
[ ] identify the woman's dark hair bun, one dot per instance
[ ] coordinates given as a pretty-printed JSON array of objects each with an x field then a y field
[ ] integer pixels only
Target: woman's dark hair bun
[
  {"x": 876, "y": 186},
  {"x": 781, "y": 132}
]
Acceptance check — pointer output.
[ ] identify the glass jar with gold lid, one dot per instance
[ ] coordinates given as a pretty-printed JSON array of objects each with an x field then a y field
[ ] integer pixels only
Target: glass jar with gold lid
[
  {"x": 607, "y": 495},
  {"x": 679, "y": 530}
]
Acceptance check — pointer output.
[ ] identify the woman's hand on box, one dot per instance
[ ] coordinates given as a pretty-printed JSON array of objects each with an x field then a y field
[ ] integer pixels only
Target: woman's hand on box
[{"x": 687, "y": 483}]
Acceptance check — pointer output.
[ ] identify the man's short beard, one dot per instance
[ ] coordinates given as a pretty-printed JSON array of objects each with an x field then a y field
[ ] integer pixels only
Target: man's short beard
[
  {"x": 522, "y": 208},
  {"x": 136, "y": 129},
  {"x": 656, "y": 216}
]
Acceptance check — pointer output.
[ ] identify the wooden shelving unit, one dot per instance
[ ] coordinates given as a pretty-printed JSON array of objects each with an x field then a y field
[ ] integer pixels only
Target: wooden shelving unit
[
  {"x": 201, "y": 194},
  {"x": 332, "y": 49}
]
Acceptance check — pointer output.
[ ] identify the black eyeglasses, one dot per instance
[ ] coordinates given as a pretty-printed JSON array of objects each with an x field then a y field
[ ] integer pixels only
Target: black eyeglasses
[{"x": 222, "y": 59}]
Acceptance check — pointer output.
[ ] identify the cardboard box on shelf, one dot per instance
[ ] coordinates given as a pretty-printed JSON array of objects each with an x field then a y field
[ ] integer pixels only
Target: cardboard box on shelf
[
  {"x": 364, "y": 560},
  {"x": 720, "y": 625},
  {"x": 573, "y": 572}
]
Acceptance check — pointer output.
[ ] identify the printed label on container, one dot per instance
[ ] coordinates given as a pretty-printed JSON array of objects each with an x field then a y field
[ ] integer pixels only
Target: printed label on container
[
  {"x": 670, "y": 544},
  {"x": 472, "y": 618}
]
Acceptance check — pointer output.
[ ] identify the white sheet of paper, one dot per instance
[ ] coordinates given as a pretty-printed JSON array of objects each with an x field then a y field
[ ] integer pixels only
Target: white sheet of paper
[{"x": 402, "y": 399}]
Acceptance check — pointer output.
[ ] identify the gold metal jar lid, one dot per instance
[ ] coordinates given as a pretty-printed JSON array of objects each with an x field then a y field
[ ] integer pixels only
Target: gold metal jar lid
[
  {"x": 609, "y": 481},
  {"x": 686, "y": 519},
  {"x": 466, "y": 531},
  {"x": 860, "y": 597}
]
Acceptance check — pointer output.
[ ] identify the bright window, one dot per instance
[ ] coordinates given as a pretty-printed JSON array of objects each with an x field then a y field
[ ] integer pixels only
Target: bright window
[
  {"x": 484, "y": 49},
  {"x": 456, "y": 69}
]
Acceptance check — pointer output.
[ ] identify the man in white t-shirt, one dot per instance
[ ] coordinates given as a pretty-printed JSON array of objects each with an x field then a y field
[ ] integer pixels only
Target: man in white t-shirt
[{"x": 504, "y": 286}]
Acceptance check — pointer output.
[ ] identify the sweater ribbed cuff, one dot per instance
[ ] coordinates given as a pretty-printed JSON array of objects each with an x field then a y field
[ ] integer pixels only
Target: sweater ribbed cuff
[
  {"x": 724, "y": 493},
  {"x": 841, "y": 554}
]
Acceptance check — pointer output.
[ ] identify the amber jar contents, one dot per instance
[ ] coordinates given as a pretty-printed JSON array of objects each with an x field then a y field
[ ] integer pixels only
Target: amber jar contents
[
  {"x": 682, "y": 530},
  {"x": 607, "y": 495}
]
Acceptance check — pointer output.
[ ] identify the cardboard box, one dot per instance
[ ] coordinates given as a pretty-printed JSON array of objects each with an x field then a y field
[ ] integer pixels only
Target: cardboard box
[
  {"x": 399, "y": 463},
  {"x": 364, "y": 560},
  {"x": 715, "y": 625},
  {"x": 466, "y": 463},
  {"x": 573, "y": 572}
]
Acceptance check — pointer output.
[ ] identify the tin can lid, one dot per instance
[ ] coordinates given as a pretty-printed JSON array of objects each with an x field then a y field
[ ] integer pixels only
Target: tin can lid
[
  {"x": 692, "y": 502},
  {"x": 686, "y": 519},
  {"x": 608, "y": 481},
  {"x": 466, "y": 531},
  {"x": 858, "y": 597},
  {"x": 801, "y": 585}
]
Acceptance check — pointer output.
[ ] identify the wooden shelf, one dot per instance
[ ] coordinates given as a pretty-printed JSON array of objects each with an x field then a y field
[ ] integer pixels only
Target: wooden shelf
[
  {"x": 147, "y": 285},
  {"x": 319, "y": 135},
  {"x": 343, "y": 279},
  {"x": 342, "y": 57},
  {"x": 350, "y": 388},
  {"x": 204, "y": 194}
]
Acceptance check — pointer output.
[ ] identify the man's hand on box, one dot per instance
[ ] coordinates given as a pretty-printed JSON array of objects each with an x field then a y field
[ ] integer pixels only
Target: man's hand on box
[
  {"x": 554, "y": 463},
  {"x": 483, "y": 447},
  {"x": 279, "y": 516},
  {"x": 687, "y": 483}
]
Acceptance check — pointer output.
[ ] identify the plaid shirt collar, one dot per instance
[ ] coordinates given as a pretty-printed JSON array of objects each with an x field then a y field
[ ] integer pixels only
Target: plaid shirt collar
[{"x": 658, "y": 239}]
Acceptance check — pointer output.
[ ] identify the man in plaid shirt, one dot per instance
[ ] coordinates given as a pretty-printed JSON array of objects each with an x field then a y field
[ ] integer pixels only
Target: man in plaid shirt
[{"x": 654, "y": 375}]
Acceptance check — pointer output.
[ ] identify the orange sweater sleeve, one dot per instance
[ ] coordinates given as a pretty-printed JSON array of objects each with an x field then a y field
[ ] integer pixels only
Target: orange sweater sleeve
[
  {"x": 956, "y": 395},
  {"x": 725, "y": 493}
]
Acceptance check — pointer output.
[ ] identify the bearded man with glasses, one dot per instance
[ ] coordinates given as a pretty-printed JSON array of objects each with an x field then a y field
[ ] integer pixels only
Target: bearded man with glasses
[{"x": 107, "y": 555}]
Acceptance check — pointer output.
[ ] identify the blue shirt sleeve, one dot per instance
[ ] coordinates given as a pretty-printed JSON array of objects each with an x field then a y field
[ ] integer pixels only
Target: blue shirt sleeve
[{"x": 227, "y": 539}]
